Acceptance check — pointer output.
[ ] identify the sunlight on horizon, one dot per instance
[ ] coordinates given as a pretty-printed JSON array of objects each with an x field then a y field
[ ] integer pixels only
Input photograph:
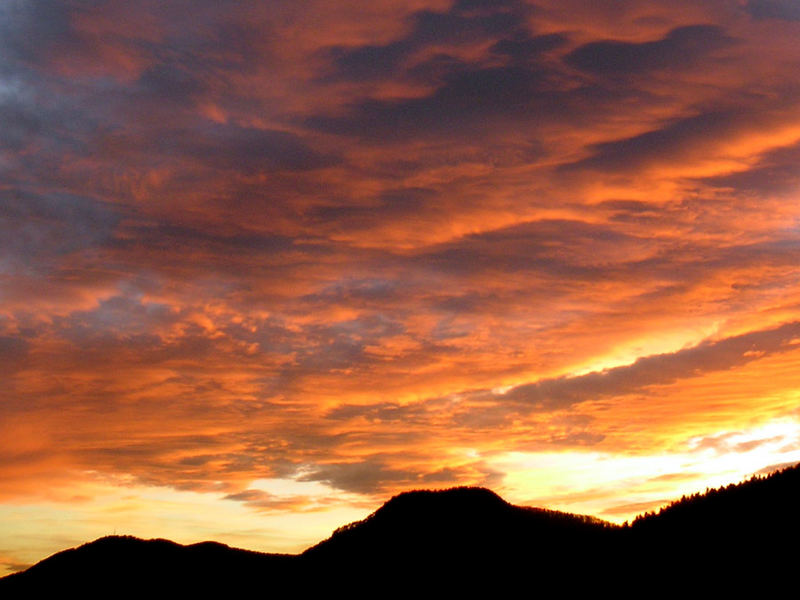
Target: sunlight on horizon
[
  {"x": 297, "y": 514},
  {"x": 618, "y": 488},
  {"x": 264, "y": 266}
]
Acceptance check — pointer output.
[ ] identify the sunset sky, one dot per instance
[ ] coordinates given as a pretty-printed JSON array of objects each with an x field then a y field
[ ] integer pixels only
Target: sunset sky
[{"x": 264, "y": 265}]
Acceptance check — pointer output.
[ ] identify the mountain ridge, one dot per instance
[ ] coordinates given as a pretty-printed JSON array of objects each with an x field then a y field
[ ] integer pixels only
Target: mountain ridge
[{"x": 437, "y": 534}]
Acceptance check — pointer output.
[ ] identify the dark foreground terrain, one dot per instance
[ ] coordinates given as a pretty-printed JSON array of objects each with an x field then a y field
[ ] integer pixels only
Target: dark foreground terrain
[{"x": 466, "y": 540}]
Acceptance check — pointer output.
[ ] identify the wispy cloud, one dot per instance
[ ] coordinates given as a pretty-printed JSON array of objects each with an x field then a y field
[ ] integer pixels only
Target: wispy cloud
[{"x": 369, "y": 247}]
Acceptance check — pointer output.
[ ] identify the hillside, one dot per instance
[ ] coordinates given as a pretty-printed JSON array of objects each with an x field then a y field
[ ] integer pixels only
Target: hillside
[
  {"x": 459, "y": 525},
  {"x": 116, "y": 564},
  {"x": 462, "y": 538}
]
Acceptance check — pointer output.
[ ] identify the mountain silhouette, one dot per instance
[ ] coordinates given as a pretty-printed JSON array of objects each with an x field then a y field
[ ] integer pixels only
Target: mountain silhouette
[
  {"x": 464, "y": 540},
  {"x": 116, "y": 565},
  {"x": 454, "y": 525}
]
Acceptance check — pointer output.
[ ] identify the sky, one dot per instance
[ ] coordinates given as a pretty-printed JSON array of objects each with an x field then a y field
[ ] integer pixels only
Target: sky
[{"x": 264, "y": 265}]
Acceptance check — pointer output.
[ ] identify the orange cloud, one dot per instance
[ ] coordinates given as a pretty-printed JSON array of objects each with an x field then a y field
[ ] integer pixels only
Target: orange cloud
[{"x": 359, "y": 249}]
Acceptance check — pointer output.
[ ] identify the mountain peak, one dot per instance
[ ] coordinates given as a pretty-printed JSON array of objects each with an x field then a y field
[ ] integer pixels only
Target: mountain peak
[
  {"x": 459, "y": 521},
  {"x": 457, "y": 537},
  {"x": 465, "y": 498}
]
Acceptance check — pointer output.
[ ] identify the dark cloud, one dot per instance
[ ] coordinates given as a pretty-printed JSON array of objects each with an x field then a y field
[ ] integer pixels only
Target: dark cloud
[
  {"x": 786, "y": 10},
  {"x": 374, "y": 474},
  {"x": 446, "y": 474},
  {"x": 514, "y": 80},
  {"x": 633, "y": 212},
  {"x": 478, "y": 100},
  {"x": 438, "y": 68},
  {"x": 523, "y": 47},
  {"x": 577, "y": 439},
  {"x": 42, "y": 128},
  {"x": 476, "y": 416},
  {"x": 554, "y": 247},
  {"x": 464, "y": 23},
  {"x": 369, "y": 62},
  {"x": 343, "y": 344},
  {"x": 48, "y": 225},
  {"x": 118, "y": 318},
  {"x": 681, "y": 48},
  {"x": 248, "y": 496},
  {"x": 244, "y": 149},
  {"x": 365, "y": 477},
  {"x": 775, "y": 172},
  {"x": 197, "y": 461},
  {"x": 19, "y": 123},
  {"x": 262, "y": 500},
  {"x": 463, "y": 104},
  {"x": 14, "y": 567},
  {"x": 193, "y": 63},
  {"x": 171, "y": 237},
  {"x": 487, "y": 91},
  {"x": 13, "y": 352},
  {"x": 661, "y": 369},
  {"x": 172, "y": 83},
  {"x": 401, "y": 203},
  {"x": 12, "y": 348},
  {"x": 668, "y": 143},
  {"x": 390, "y": 412},
  {"x": 468, "y": 21},
  {"x": 361, "y": 293},
  {"x": 30, "y": 31}
]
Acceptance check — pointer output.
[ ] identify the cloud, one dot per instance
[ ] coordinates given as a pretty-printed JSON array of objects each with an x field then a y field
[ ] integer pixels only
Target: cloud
[
  {"x": 523, "y": 47},
  {"x": 682, "y": 476},
  {"x": 246, "y": 148},
  {"x": 12, "y": 566},
  {"x": 554, "y": 247},
  {"x": 773, "y": 173},
  {"x": 264, "y": 501},
  {"x": 51, "y": 225},
  {"x": 777, "y": 467},
  {"x": 739, "y": 442},
  {"x": 13, "y": 352},
  {"x": 389, "y": 205},
  {"x": 363, "y": 477},
  {"x": 374, "y": 475},
  {"x": 513, "y": 79},
  {"x": 465, "y": 103},
  {"x": 681, "y": 48},
  {"x": 476, "y": 411},
  {"x": 774, "y": 9},
  {"x": 685, "y": 135},
  {"x": 285, "y": 241},
  {"x": 662, "y": 369},
  {"x": 32, "y": 29},
  {"x": 463, "y": 23}
]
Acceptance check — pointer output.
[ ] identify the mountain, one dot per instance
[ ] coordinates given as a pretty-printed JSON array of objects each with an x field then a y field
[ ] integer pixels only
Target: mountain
[
  {"x": 464, "y": 540},
  {"x": 461, "y": 524},
  {"x": 116, "y": 565},
  {"x": 750, "y": 529}
]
